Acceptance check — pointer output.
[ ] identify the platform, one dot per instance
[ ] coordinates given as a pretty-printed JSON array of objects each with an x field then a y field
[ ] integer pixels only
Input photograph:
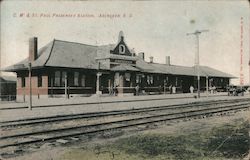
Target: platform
[{"x": 62, "y": 106}]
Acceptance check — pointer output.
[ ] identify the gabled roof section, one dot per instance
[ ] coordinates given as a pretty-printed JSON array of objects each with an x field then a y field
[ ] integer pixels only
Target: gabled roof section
[
  {"x": 64, "y": 54},
  {"x": 43, "y": 56},
  {"x": 72, "y": 55},
  {"x": 121, "y": 44},
  {"x": 210, "y": 72}
]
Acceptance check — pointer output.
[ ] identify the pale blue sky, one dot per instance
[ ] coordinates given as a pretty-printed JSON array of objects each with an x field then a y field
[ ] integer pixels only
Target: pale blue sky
[{"x": 156, "y": 28}]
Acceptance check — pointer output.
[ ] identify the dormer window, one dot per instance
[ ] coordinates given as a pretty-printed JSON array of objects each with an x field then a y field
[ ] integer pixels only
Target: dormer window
[{"x": 121, "y": 49}]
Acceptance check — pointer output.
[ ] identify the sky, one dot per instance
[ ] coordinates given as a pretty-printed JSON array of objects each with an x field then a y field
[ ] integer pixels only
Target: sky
[{"x": 157, "y": 28}]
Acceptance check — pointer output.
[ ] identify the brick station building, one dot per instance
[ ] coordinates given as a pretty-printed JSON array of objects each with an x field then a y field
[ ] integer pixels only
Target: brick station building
[{"x": 63, "y": 67}]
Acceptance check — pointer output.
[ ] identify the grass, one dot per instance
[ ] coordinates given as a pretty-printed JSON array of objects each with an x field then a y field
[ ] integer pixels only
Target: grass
[
  {"x": 225, "y": 142},
  {"x": 220, "y": 143}
]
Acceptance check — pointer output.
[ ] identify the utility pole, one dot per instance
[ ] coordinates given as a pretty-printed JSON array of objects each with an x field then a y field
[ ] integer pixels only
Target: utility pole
[
  {"x": 0, "y": 77},
  {"x": 249, "y": 69},
  {"x": 66, "y": 86},
  {"x": 197, "y": 58},
  {"x": 30, "y": 89},
  {"x": 98, "y": 92}
]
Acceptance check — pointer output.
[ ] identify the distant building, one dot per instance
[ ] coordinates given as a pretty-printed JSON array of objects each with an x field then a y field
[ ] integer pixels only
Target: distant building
[
  {"x": 7, "y": 88},
  {"x": 86, "y": 69}
]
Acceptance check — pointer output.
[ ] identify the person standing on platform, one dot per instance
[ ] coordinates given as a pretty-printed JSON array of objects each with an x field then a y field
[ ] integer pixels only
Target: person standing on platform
[
  {"x": 174, "y": 89},
  {"x": 137, "y": 90},
  {"x": 191, "y": 89},
  {"x": 170, "y": 89},
  {"x": 111, "y": 90},
  {"x": 115, "y": 90},
  {"x": 214, "y": 89}
]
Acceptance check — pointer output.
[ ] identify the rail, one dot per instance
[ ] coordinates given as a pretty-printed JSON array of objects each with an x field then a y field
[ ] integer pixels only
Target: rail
[{"x": 53, "y": 134}]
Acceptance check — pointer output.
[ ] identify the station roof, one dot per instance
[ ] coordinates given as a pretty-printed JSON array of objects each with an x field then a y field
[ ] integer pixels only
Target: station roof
[
  {"x": 63, "y": 54},
  {"x": 180, "y": 70},
  {"x": 192, "y": 71},
  {"x": 8, "y": 78},
  {"x": 59, "y": 53}
]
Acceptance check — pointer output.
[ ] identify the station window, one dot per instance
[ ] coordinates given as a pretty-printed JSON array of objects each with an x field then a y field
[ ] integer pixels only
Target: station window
[
  {"x": 57, "y": 78},
  {"x": 138, "y": 78},
  {"x": 83, "y": 80},
  {"x": 150, "y": 79},
  {"x": 51, "y": 81},
  {"x": 23, "y": 81},
  {"x": 122, "y": 49},
  {"x": 166, "y": 79},
  {"x": 76, "y": 78},
  {"x": 127, "y": 76},
  {"x": 39, "y": 81},
  {"x": 64, "y": 74}
]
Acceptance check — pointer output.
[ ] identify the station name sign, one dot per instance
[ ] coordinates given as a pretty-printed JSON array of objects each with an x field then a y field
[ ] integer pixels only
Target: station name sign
[{"x": 122, "y": 61}]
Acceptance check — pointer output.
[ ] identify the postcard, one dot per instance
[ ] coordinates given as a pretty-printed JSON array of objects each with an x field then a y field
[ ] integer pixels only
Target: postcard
[{"x": 124, "y": 79}]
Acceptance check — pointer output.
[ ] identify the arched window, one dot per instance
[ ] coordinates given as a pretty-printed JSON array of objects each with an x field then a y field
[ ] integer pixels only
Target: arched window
[{"x": 122, "y": 49}]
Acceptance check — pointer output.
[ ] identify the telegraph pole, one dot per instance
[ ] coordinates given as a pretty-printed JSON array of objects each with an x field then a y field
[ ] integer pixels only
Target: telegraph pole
[
  {"x": 66, "y": 86},
  {"x": 30, "y": 89},
  {"x": 197, "y": 58}
]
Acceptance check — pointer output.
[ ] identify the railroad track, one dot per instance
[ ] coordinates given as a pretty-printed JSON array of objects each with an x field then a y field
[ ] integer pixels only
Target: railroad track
[
  {"x": 68, "y": 117},
  {"x": 54, "y": 134}
]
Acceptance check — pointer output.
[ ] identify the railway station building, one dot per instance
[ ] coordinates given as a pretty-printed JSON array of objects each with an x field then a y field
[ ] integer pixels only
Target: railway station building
[
  {"x": 68, "y": 68},
  {"x": 7, "y": 88}
]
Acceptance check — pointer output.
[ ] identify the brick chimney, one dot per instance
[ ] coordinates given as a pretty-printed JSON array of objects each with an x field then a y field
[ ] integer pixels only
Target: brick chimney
[
  {"x": 151, "y": 59},
  {"x": 33, "y": 49},
  {"x": 141, "y": 55},
  {"x": 168, "y": 60}
]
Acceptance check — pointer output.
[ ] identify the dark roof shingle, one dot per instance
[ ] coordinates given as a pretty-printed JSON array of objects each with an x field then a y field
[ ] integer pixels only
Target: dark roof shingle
[{"x": 76, "y": 55}]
